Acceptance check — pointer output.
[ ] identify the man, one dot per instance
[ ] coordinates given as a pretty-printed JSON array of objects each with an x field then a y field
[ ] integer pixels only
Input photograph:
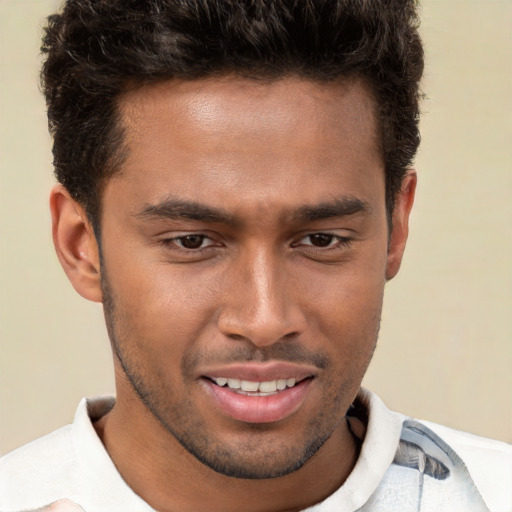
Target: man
[{"x": 235, "y": 188}]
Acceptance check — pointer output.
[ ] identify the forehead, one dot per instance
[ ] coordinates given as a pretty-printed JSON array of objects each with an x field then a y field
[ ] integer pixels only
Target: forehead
[
  {"x": 246, "y": 106},
  {"x": 207, "y": 139}
]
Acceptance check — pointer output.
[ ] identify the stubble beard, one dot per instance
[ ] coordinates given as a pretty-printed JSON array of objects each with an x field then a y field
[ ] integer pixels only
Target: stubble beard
[{"x": 192, "y": 433}]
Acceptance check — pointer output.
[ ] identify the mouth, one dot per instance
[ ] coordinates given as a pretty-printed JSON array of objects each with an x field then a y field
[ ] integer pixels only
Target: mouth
[
  {"x": 252, "y": 394},
  {"x": 255, "y": 388}
]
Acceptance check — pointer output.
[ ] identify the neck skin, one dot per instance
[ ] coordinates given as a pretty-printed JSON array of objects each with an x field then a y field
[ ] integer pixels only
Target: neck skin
[{"x": 167, "y": 477}]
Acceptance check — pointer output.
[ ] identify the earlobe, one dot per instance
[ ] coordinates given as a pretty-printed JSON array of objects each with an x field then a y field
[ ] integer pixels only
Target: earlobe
[
  {"x": 400, "y": 229},
  {"x": 75, "y": 244}
]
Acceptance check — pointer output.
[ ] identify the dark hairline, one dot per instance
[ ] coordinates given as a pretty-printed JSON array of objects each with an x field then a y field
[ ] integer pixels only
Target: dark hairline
[{"x": 97, "y": 49}]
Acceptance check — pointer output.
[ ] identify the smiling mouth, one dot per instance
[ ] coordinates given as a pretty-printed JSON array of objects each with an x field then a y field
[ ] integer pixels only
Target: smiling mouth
[
  {"x": 271, "y": 394},
  {"x": 255, "y": 388}
]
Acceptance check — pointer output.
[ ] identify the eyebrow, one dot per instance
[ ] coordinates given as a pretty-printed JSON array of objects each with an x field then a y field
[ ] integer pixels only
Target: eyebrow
[
  {"x": 176, "y": 209},
  {"x": 340, "y": 207}
]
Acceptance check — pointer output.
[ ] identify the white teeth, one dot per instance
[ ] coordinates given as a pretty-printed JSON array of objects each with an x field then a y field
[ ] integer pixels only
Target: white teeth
[
  {"x": 281, "y": 384},
  {"x": 248, "y": 385},
  {"x": 290, "y": 382},
  {"x": 234, "y": 383},
  {"x": 270, "y": 386}
]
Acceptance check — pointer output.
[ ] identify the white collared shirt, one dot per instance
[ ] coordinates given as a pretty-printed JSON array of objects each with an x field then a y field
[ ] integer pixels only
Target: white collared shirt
[{"x": 404, "y": 465}]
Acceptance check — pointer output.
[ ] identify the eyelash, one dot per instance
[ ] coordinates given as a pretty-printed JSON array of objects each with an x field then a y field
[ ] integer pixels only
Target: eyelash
[
  {"x": 342, "y": 242},
  {"x": 173, "y": 243}
]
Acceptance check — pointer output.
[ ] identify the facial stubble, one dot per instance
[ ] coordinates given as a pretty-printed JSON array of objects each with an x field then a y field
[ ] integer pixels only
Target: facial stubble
[{"x": 177, "y": 418}]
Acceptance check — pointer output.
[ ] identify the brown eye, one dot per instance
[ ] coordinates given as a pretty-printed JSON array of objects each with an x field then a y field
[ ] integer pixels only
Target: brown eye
[
  {"x": 321, "y": 239},
  {"x": 191, "y": 241}
]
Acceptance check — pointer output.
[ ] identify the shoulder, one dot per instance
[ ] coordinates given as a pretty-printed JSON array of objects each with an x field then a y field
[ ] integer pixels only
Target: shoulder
[
  {"x": 69, "y": 463},
  {"x": 488, "y": 461},
  {"x": 474, "y": 447},
  {"x": 29, "y": 473},
  {"x": 478, "y": 466}
]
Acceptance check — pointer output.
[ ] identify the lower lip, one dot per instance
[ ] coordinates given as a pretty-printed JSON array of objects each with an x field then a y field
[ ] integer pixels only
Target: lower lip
[{"x": 258, "y": 409}]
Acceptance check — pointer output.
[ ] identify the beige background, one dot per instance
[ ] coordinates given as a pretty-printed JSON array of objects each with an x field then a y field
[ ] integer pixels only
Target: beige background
[{"x": 444, "y": 352}]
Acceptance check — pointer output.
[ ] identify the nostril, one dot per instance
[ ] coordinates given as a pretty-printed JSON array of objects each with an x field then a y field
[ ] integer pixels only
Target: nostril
[
  {"x": 236, "y": 337},
  {"x": 293, "y": 334},
  {"x": 262, "y": 327}
]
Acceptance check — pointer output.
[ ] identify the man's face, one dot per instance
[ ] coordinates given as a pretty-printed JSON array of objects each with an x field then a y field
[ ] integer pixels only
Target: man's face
[{"x": 244, "y": 261}]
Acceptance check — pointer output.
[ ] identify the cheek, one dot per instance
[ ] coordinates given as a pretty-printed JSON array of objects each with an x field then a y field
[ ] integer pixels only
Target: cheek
[
  {"x": 351, "y": 321},
  {"x": 345, "y": 311},
  {"x": 161, "y": 310},
  {"x": 347, "y": 298}
]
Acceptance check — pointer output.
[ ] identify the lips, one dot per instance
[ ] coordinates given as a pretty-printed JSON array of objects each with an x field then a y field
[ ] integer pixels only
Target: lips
[{"x": 258, "y": 393}]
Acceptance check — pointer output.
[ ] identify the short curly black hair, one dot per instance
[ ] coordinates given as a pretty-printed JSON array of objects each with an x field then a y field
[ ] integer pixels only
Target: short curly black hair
[{"x": 96, "y": 49}]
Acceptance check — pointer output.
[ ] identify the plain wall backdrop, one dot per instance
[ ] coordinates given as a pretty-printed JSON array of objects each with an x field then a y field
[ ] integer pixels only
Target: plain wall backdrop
[{"x": 445, "y": 351}]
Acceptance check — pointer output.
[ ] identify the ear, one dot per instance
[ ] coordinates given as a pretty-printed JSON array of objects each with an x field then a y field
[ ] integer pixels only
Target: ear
[
  {"x": 75, "y": 243},
  {"x": 400, "y": 229}
]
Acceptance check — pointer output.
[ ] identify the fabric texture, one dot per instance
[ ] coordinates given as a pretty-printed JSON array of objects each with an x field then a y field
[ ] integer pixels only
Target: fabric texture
[{"x": 404, "y": 464}]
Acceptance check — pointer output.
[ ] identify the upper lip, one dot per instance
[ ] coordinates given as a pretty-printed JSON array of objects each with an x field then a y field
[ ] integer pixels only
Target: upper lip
[{"x": 261, "y": 372}]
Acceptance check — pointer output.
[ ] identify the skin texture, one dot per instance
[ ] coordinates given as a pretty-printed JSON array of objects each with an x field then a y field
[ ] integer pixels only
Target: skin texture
[{"x": 188, "y": 295}]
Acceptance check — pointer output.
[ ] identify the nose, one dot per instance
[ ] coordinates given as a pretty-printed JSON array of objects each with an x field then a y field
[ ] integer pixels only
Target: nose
[{"x": 260, "y": 301}]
